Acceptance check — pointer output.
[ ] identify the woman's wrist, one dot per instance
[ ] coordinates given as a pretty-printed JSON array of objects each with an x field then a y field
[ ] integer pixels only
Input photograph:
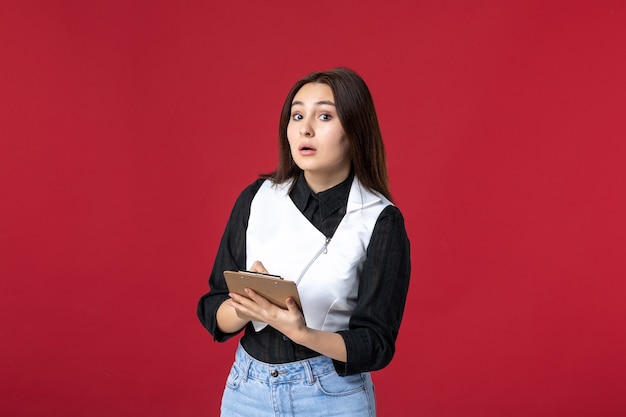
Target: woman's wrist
[{"x": 227, "y": 319}]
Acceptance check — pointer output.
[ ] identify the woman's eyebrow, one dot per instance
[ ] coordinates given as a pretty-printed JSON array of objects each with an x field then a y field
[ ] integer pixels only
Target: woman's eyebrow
[{"x": 318, "y": 103}]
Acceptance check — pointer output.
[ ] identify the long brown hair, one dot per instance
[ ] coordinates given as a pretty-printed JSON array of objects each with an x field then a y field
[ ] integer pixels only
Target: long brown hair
[{"x": 357, "y": 114}]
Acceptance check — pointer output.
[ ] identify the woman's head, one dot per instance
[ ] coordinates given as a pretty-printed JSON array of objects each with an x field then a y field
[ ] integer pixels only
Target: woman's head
[{"x": 355, "y": 109}]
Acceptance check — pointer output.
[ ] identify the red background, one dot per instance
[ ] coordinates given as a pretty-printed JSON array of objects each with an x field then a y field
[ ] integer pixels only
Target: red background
[{"x": 128, "y": 128}]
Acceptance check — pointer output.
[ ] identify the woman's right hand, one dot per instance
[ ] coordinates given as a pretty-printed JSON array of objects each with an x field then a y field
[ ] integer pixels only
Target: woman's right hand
[{"x": 229, "y": 320}]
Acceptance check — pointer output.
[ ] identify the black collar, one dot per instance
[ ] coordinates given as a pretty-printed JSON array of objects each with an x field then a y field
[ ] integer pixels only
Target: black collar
[{"x": 329, "y": 200}]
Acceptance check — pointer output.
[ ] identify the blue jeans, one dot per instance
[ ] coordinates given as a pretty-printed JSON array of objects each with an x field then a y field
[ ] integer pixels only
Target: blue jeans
[{"x": 304, "y": 388}]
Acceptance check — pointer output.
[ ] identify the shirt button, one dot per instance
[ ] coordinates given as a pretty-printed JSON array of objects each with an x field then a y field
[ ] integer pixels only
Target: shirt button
[{"x": 274, "y": 373}]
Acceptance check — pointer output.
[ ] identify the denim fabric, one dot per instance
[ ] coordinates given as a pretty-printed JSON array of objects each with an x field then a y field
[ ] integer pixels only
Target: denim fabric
[{"x": 304, "y": 388}]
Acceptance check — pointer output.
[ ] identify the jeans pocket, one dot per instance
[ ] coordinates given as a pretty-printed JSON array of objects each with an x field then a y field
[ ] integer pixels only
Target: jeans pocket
[
  {"x": 234, "y": 377},
  {"x": 335, "y": 385}
]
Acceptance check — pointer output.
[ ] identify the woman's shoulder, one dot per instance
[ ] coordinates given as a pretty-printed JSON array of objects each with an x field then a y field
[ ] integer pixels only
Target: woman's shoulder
[
  {"x": 391, "y": 217},
  {"x": 254, "y": 187},
  {"x": 391, "y": 210},
  {"x": 248, "y": 193},
  {"x": 241, "y": 208}
]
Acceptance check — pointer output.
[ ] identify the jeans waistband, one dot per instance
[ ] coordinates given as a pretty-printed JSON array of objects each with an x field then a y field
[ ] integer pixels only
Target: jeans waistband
[{"x": 304, "y": 370}]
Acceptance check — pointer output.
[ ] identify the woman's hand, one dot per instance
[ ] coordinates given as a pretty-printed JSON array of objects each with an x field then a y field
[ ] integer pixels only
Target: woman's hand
[
  {"x": 257, "y": 266},
  {"x": 258, "y": 308},
  {"x": 231, "y": 320},
  {"x": 288, "y": 321}
]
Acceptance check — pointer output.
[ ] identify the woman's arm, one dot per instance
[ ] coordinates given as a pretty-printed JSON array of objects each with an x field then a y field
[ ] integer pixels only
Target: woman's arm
[
  {"x": 383, "y": 287},
  {"x": 213, "y": 313},
  {"x": 369, "y": 343}
]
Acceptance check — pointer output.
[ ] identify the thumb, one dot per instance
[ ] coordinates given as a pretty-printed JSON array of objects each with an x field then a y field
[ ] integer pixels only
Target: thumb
[
  {"x": 257, "y": 266},
  {"x": 291, "y": 305}
]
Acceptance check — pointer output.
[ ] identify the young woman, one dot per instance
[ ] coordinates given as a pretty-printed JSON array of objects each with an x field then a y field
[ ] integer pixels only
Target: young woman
[{"x": 324, "y": 219}]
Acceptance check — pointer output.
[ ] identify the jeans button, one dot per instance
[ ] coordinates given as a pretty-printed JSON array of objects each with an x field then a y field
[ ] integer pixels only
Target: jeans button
[{"x": 274, "y": 373}]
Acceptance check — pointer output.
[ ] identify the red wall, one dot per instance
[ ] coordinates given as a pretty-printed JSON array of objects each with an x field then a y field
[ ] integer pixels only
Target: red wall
[{"x": 128, "y": 128}]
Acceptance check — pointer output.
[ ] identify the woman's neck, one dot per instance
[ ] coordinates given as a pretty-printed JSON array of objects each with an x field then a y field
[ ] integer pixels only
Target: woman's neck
[{"x": 319, "y": 183}]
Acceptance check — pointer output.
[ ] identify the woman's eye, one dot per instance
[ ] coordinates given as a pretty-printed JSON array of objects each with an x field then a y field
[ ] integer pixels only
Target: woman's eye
[
  {"x": 296, "y": 116},
  {"x": 325, "y": 117}
]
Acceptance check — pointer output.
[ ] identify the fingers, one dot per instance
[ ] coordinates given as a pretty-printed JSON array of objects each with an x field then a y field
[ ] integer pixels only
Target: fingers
[
  {"x": 242, "y": 306},
  {"x": 255, "y": 307},
  {"x": 257, "y": 266},
  {"x": 251, "y": 304}
]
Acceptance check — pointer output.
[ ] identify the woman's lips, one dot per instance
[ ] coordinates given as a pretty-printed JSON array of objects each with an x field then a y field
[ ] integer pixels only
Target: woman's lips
[{"x": 306, "y": 149}]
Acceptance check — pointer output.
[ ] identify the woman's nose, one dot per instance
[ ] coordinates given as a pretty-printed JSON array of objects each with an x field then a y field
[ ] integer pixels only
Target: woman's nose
[{"x": 306, "y": 130}]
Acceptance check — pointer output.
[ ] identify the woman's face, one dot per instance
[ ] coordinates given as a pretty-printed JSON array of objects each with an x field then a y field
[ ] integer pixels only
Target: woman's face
[{"x": 319, "y": 145}]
